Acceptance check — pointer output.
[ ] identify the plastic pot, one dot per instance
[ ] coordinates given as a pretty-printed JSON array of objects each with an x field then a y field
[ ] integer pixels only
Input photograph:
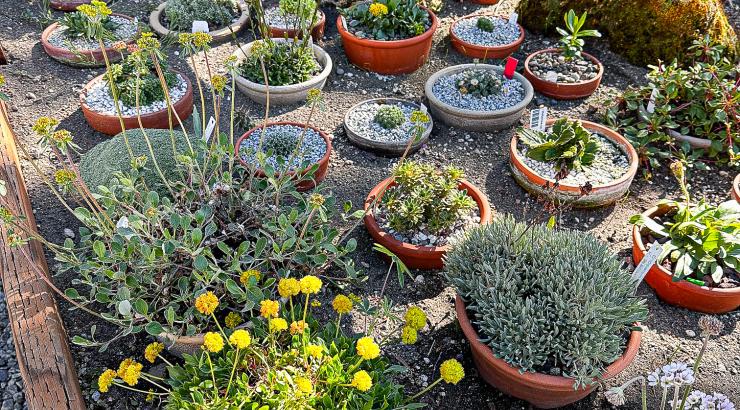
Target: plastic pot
[
  {"x": 684, "y": 294},
  {"x": 564, "y": 91},
  {"x": 600, "y": 195},
  {"x": 541, "y": 390},
  {"x": 317, "y": 31},
  {"x": 110, "y": 124},
  {"x": 322, "y": 167},
  {"x": 67, "y": 5},
  {"x": 388, "y": 57},
  {"x": 157, "y": 16},
  {"x": 415, "y": 256},
  {"x": 484, "y": 52}
]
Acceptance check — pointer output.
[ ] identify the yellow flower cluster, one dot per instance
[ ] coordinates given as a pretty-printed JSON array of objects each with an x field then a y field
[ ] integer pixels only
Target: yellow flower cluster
[
  {"x": 316, "y": 200},
  {"x": 367, "y": 348},
  {"x": 362, "y": 381},
  {"x": 378, "y": 9},
  {"x": 451, "y": 371},
  {"x": 64, "y": 177},
  {"x": 244, "y": 278},
  {"x": 129, "y": 371},
  {"x": 304, "y": 385},
  {"x": 310, "y": 284},
  {"x": 2, "y": 80},
  {"x": 278, "y": 325},
  {"x": 45, "y": 125},
  {"x": 219, "y": 83},
  {"x": 233, "y": 320},
  {"x": 269, "y": 308},
  {"x": 147, "y": 41},
  {"x": 240, "y": 338},
  {"x": 408, "y": 335},
  {"x": 201, "y": 39},
  {"x": 315, "y": 303},
  {"x": 206, "y": 303},
  {"x": 105, "y": 380},
  {"x": 152, "y": 351},
  {"x": 96, "y": 8},
  {"x": 298, "y": 327},
  {"x": 419, "y": 117},
  {"x": 315, "y": 351},
  {"x": 61, "y": 137},
  {"x": 342, "y": 304},
  {"x": 288, "y": 287},
  {"x": 213, "y": 342},
  {"x": 415, "y": 318}
]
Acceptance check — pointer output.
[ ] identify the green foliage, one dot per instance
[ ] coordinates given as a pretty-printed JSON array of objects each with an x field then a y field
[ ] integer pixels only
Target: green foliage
[
  {"x": 305, "y": 9},
  {"x": 78, "y": 25},
  {"x": 569, "y": 146},
  {"x": 387, "y": 19},
  {"x": 138, "y": 73},
  {"x": 286, "y": 62},
  {"x": 545, "y": 300},
  {"x": 484, "y": 24},
  {"x": 281, "y": 143},
  {"x": 181, "y": 13},
  {"x": 425, "y": 195},
  {"x": 389, "y": 116},
  {"x": 480, "y": 83},
  {"x": 571, "y": 42}
]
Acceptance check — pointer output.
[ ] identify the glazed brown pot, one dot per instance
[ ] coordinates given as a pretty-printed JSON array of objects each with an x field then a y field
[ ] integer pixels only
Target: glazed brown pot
[
  {"x": 564, "y": 91},
  {"x": 541, "y": 390},
  {"x": 682, "y": 293},
  {"x": 415, "y": 256},
  {"x": 80, "y": 58},
  {"x": 110, "y": 124},
  {"x": 484, "y": 52},
  {"x": 600, "y": 195},
  {"x": 388, "y": 57},
  {"x": 303, "y": 185},
  {"x": 67, "y": 5},
  {"x": 317, "y": 31},
  {"x": 736, "y": 188},
  {"x": 486, "y": 2}
]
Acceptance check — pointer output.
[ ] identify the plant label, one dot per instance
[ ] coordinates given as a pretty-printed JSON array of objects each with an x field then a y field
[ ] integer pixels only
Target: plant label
[
  {"x": 551, "y": 76},
  {"x": 200, "y": 26},
  {"x": 209, "y": 128},
  {"x": 651, "y": 256},
  {"x": 423, "y": 108},
  {"x": 538, "y": 120},
  {"x": 513, "y": 18},
  {"x": 651, "y": 104},
  {"x": 510, "y": 67},
  {"x": 344, "y": 23}
]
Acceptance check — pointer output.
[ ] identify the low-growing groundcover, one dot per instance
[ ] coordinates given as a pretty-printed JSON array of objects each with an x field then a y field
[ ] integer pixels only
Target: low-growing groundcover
[{"x": 181, "y": 13}]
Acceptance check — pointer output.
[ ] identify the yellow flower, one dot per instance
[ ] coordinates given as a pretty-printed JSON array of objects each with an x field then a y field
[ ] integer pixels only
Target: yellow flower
[
  {"x": 288, "y": 287},
  {"x": 269, "y": 308},
  {"x": 206, "y": 303},
  {"x": 240, "y": 338},
  {"x": 367, "y": 348},
  {"x": 64, "y": 177},
  {"x": 129, "y": 371},
  {"x": 310, "y": 284},
  {"x": 342, "y": 304},
  {"x": 362, "y": 381},
  {"x": 185, "y": 38},
  {"x": 298, "y": 327},
  {"x": 315, "y": 303},
  {"x": 106, "y": 380},
  {"x": 2, "y": 80},
  {"x": 304, "y": 385},
  {"x": 408, "y": 335},
  {"x": 233, "y": 320},
  {"x": 103, "y": 8},
  {"x": 315, "y": 351},
  {"x": 316, "y": 200},
  {"x": 213, "y": 342},
  {"x": 88, "y": 10},
  {"x": 61, "y": 136},
  {"x": 152, "y": 351},
  {"x": 147, "y": 41},
  {"x": 150, "y": 396},
  {"x": 415, "y": 318},
  {"x": 244, "y": 278},
  {"x": 45, "y": 125},
  {"x": 378, "y": 9},
  {"x": 451, "y": 371},
  {"x": 219, "y": 83},
  {"x": 419, "y": 117},
  {"x": 278, "y": 325},
  {"x": 201, "y": 39}
]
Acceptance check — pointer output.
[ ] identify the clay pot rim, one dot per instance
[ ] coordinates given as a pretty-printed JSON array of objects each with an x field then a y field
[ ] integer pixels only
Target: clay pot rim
[
  {"x": 593, "y": 59},
  {"x": 544, "y": 380},
  {"x": 92, "y": 82},
  {"x": 435, "y": 101},
  {"x": 473, "y": 46},
  {"x": 736, "y": 188},
  {"x": 480, "y": 198},
  {"x": 393, "y": 44},
  {"x": 155, "y": 21},
  {"x": 607, "y": 132},
  {"x": 55, "y": 26},
  {"x": 259, "y": 172},
  {"x": 422, "y": 140},
  {"x": 318, "y": 23},
  {"x": 684, "y": 285},
  {"x": 68, "y": 5}
]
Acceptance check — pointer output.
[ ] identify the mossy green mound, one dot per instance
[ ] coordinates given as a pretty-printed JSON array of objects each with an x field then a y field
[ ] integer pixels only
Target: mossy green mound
[{"x": 643, "y": 31}]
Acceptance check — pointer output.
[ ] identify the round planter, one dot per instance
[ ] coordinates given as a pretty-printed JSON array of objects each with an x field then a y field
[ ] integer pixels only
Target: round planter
[
  {"x": 482, "y": 121},
  {"x": 156, "y": 17},
  {"x": 541, "y": 390},
  {"x": 80, "y": 58},
  {"x": 416, "y": 256},
  {"x": 484, "y": 52},
  {"x": 305, "y": 185},
  {"x": 600, "y": 195},
  {"x": 68, "y": 5},
  {"x": 684, "y": 294},
  {"x": 388, "y": 57},
  {"x": 736, "y": 188},
  {"x": 564, "y": 91},
  {"x": 110, "y": 124},
  {"x": 283, "y": 94},
  {"x": 391, "y": 148},
  {"x": 317, "y": 31}
]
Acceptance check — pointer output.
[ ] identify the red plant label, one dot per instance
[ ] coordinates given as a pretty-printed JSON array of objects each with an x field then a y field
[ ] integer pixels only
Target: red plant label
[{"x": 510, "y": 67}]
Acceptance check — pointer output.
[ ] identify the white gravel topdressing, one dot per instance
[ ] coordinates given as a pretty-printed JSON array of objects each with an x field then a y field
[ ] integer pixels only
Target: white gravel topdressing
[
  {"x": 503, "y": 33},
  {"x": 276, "y": 18},
  {"x": 125, "y": 31},
  {"x": 99, "y": 99},
  {"x": 361, "y": 121},
  {"x": 311, "y": 151},
  {"x": 422, "y": 236},
  {"x": 512, "y": 93}
]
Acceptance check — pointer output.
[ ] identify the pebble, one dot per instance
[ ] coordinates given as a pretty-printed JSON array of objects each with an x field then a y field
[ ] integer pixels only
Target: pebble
[
  {"x": 576, "y": 70},
  {"x": 69, "y": 233},
  {"x": 690, "y": 333},
  {"x": 100, "y": 100},
  {"x": 512, "y": 93},
  {"x": 503, "y": 33},
  {"x": 125, "y": 31},
  {"x": 11, "y": 384},
  {"x": 313, "y": 147},
  {"x": 361, "y": 121}
]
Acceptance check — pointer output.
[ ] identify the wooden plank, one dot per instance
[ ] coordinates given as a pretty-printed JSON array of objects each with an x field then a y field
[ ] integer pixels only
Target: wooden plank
[{"x": 45, "y": 361}]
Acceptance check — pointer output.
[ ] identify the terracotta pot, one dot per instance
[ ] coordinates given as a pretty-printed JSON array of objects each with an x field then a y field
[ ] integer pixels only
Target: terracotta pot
[
  {"x": 486, "y": 2},
  {"x": 80, "y": 58},
  {"x": 110, "y": 124},
  {"x": 485, "y": 52},
  {"x": 564, "y": 91},
  {"x": 682, "y": 293},
  {"x": 388, "y": 57},
  {"x": 541, "y": 390},
  {"x": 317, "y": 31},
  {"x": 66, "y": 5},
  {"x": 736, "y": 188},
  {"x": 157, "y": 15},
  {"x": 600, "y": 195},
  {"x": 304, "y": 185},
  {"x": 415, "y": 256}
]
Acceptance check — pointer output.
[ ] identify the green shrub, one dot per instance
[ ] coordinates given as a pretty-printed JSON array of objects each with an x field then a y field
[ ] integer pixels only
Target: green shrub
[
  {"x": 389, "y": 116},
  {"x": 568, "y": 146},
  {"x": 181, "y": 13},
  {"x": 286, "y": 63},
  {"x": 545, "y": 300}
]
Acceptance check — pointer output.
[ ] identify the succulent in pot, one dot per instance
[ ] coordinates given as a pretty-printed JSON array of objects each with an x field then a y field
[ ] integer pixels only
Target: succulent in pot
[
  {"x": 486, "y": 36},
  {"x": 293, "y": 18},
  {"x": 547, "y": 312},
  {"x": 223, "y": 17}
]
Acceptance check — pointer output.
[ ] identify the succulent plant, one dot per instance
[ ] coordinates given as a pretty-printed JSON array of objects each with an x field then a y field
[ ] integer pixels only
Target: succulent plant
[
  {"x": 480, "y": 83},
  {"x": 485, "y": 24},
  {"x": 545, "y": 300},
  {"x": 389, "y": 116},
  {"x": 78, "y": 25},
  {"x": 281, "y": 143},
  {"x": 571, "y": 42},
  {"x": 305, "y": 9},
  {"x": 569, "y": 145}
]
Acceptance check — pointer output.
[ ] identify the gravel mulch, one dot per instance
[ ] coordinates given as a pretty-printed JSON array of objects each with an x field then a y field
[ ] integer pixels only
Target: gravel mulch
[
  {"x": 422, "y": 236},
  {"x": 125, "y": 31},
  {"x": 573, "y": 71},
  {"x": 502, "y": 34},
  {"x": 362, "y": 122},
  {"x": 11, "y": 384},
  {"x": 446, "y": 89},
  {"x": 313, "y": 146},
  {"x": 276, "y": 18},
  {"x": 100, "y": 100}
]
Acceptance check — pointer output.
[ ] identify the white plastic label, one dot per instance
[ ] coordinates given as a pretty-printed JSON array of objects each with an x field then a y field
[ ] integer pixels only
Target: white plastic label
[
  {"x": 344, "y": 23},
  {"x": 200, "y": 26},
  {"x": 513, "y": 18},
  {"x": 651, "y": 104},
  {"x": 209, "y": 128},
  {"x": 424, "y": 108},
  {"x": 651, "y": 256},
  {"x": 538, "y": 119},
  {"x": 551, "y": 76}
]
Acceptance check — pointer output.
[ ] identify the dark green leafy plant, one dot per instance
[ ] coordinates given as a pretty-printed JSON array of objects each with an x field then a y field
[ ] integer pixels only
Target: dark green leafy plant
[
  {"x": 387, "y": 19},
  {"x": 137, "y": 73},
  {"x": 484, "y": 24},
  {"x": 181, "y": 13},
  {"x": 305, "y": 9},
  {"x": 571, "y": 42},
  {"x": 78, "y": 25},
  {"x": 569, "y": 145},
  {"x": 286, "y": 62},
  {"x": 480, "y": 83},
  {"x": 389, "y": 116},
  {"x": 281, "y": 144},
  {"x": 544, "y": 300}
]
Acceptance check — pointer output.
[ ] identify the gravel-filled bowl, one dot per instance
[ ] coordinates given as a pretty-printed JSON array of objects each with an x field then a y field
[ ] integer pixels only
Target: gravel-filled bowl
[
  {"x": 100, "y": 112},
  {"x": 503, "y": 41},
  {"x": 316, "y": 148},
  {"x": 282, "y": 25},
  {"x": 283, "y": 94},
  {"x": 608, "y": 185},
  {"x": 363, "y": 131},
  {"x": 87, "y": 53},
  {"x": 476, "y": 114},
  {"x": 565, "y": 88},
  {"x": 156, "y": 21}
]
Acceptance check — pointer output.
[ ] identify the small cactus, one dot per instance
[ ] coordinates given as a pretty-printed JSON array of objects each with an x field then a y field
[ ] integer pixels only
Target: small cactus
[
  {"x": 485, "y": 24},
  {"x": 390, "y": 117}
]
